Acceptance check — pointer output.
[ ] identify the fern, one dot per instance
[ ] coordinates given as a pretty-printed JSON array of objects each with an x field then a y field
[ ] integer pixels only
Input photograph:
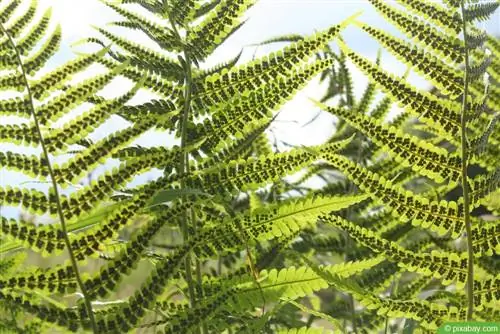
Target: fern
[{"x": 223, "y": 240}]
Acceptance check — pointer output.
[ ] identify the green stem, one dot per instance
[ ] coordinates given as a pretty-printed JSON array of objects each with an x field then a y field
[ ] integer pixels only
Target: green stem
[
  {"x": 465, "y": 183},
  {"x": 184, "y": 170},
  {"x": 74, "y": 264}
]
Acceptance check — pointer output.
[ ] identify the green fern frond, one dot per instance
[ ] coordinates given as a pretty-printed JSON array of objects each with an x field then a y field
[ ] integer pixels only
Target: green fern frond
[
  {"x": 29, "y": 165},
  {"x": 158, "y": 33},
  {"x": 237, "y": 149},
  {"x": 53, "y": 80},
  {"x": 47, "y": 50},
  {"x": 16, "y": 27},
  {"x": 487, "y": 293},
  {"x": 79, "y": 127},
  {"x": 163, "y": 110},
  {"x": 303, "y": 330},
  {"x": 250, "y": 110},
  {"x": 35, "y": 34},
  {"x": 449, "y": 47},
  {"x": 272, "y": 222},
  {"x": 414, "y": 288},
  {"x": 222, "y": 21},
  {"x": 288, "y": 284},
  {"x": 49, "y": 312},
  {"x": 421, "y": 156},
  {"x": 152, "y": 81},
  {"x": 442, "y": 17},
  {"x": 63, "y": 103},
  {"x": 447, "y": 79},
  {"x": 483, "y": 185},
  {"x": 10, "y": 264},
  {"x": 485, "y": 239},
  {"x": 477, "y": 71},
  {"x": 441, "y": 217},
  {"x": 430, "y": 315},
  {"x": 76, "y": 167},
  {"x": 45, "y": 240},
  {"x": 32, "y": 200},
  {"x": 6, "y": 12},
  {"x": 435, "y": 112},
  {"x": 183, "y": 12},
  {"x": 449, "y": 267},
  {"x": 248, "y": 175},
  {"x": 480, "y": 11},
  {"x": 146, "y": 59},
  {"x": 152, "y": 5},
  {"x": 258, "y": 72}
]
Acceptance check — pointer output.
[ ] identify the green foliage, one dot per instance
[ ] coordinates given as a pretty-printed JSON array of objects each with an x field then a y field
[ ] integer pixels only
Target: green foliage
[{"x": 224, "y": 241}]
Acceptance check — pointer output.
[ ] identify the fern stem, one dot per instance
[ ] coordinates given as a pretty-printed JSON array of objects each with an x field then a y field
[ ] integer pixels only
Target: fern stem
[
  {"x": 184, "y": 168},
  {"x": 74, "y": 264},
  {"x": 465, "y": 183}
]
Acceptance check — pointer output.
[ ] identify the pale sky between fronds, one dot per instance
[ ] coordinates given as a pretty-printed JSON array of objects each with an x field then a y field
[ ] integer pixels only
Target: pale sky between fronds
[{"x": 268, "y": 18}]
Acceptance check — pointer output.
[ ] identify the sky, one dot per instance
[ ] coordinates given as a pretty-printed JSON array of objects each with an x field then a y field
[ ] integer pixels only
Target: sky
[{"x": 268, "y": 18}]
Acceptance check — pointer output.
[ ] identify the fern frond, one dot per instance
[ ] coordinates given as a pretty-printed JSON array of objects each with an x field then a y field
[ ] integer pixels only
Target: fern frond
[
  {"x": 19, "y": 134},
  {"x": 14, "y": 106},
  {"x": 302, "y": 330},
  {"x": 79, "y": 127},
  {"x": 152, "y": 5},
  {"x": 29, "y": 165},
  {"x": 45, "y": 240},
  {"x": 421, "y": 156},
  {"x": 46, "y": 51},
  {"x": 435, "y": 112},
  {"x": 485, "y": 239},
  {"x": 449, "y": 47},
  {"x": 449, "y": 267},
  {"x": 163, "y": 110},
  {"x": 61, "y": 104},
  {"x": 35, "y": 34},
  {"x": 445, "y": 78},
  {"x": 32, "y": 200},
  {"x": 238, "y": 149},
  {"x": 487, "y": 293},
  {"x": 6, "y": 12},
  {"x": 442, "y": 17},
  {"x": 53, "y": 80},
  {"x": 480, "y": 11},
  {"x": 152, "y": 81},
  {"x": 156, "y": 32},
  {"x": 76, "y": 167},
  {"x": 219, "y": 68},
  {"x": 288, "y": 284},
  {"x": 250, "y": 110},
  {"x": 483, "y": 185},
  {"x": 49, "y": 312},
  {"x": 182, "y": 12},
  {"x": 441, "y": 217},
  {"x": 272, "y": 222},
  {"x": 253, "y": 75},
  {"x": 10, "y": 264},
  {"x": 16, "y": 27},
  {"x": 222, "y": 21},
  {"x": 249, "y": 174},
  {"x": 146, "y": 59},
  {"x": 477, "y": 71},
  {"x": 430, "y": 315}
]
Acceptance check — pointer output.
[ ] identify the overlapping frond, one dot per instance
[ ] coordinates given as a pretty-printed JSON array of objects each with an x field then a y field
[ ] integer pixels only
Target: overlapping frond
[{"x": 221, "y": 237}]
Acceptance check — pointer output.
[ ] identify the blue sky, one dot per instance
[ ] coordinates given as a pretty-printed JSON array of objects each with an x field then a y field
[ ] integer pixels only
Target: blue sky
[{"x": 268, "y": 18}]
